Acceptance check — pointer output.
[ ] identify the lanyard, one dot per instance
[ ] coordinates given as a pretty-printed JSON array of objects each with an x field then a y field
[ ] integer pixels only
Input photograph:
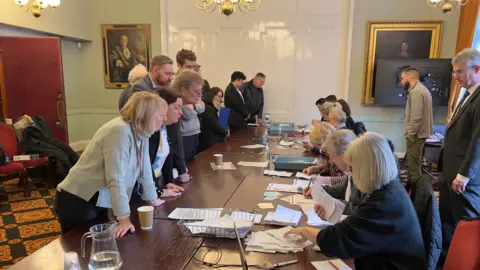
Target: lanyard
[{"x": 139, "y": 152}]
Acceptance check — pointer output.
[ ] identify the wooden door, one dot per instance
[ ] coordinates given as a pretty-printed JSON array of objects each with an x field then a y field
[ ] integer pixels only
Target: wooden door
[{"x": 32, "y": 69}]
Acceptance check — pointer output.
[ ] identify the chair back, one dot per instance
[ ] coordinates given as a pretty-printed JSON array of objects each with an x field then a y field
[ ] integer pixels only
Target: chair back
[
  {"x": 8, "y": 140},
  {"x": 464, "y": 251}
]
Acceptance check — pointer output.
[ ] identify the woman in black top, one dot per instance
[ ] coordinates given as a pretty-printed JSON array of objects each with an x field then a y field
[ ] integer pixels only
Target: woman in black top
[
  {"x": 383, "y": 232},
  {"x": 211, "y": 131}
]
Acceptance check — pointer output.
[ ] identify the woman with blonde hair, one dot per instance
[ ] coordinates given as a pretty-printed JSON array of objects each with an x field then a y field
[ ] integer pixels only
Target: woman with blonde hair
[
  {"x": 116, "y": 158},
  {"x": 383, "y": 232}
]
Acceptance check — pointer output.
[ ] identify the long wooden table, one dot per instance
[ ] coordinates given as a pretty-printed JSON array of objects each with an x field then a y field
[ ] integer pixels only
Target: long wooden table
[{"x": 165, "y": 247}]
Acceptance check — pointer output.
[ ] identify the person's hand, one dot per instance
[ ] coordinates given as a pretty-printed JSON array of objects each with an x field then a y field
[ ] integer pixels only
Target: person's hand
[
  {"x": 157, "y": 202},
  {"x": 307, "y": 192},
  {"x": 308, "y": 146},
  {"x": 228, "y": 133},
  {"x": 184, "y": 178},
  {"x": 320, "y": 211},
  {"x": 174, "y": 187},
  {"x": 260, "y": 122},
  {"x": 410, "y": 138},
  {"x": 298, "y": 231},
  {"x": 315, "y": 122},
  {"x": 124, "y": 225},
  {"x": 458, "y": 186},
  {"x": 190, "y": 106},
  {"x": 309, "y": 170},
  {"x": 168, "y": 193}
]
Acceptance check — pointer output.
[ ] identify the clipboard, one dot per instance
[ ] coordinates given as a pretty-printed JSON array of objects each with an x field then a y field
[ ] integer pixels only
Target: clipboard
[{"x": 223, "y": 117}]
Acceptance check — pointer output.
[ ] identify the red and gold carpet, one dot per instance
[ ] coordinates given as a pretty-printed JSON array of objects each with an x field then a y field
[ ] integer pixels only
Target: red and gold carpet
[{"x": 26, "y": 224}]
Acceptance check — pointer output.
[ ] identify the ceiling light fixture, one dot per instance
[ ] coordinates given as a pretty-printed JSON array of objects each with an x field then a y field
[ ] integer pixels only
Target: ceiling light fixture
[
  {"x": 228, "y": 7},
  {"x": 446, "y": 5},
  {"x": 37, "y": 6}
]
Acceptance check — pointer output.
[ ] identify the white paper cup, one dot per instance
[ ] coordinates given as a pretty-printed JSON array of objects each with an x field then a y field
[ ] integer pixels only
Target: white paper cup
[
  {"x": 218, "y": 160},
  {"x": 145, "y": 214}
]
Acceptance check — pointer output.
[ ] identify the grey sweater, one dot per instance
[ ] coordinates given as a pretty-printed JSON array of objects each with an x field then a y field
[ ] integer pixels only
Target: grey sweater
[
  {"x": 109, "y": 165},
  {"x": 189, "y": 123}
]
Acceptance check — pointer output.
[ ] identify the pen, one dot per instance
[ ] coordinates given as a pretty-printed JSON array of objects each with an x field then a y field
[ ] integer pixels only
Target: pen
[
  {"x": 282, "y": 264},
  {"x": 333, "y": 265}
]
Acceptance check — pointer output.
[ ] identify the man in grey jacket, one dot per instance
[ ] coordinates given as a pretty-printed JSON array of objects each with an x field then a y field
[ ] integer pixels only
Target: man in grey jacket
[{"x": 418, "y": 121}]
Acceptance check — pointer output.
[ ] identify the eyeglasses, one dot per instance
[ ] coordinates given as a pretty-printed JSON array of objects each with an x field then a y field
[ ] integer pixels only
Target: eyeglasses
[
  {"x": 461, "y": 71},
  {"x": 198, "y": 92},
  {"x": 219, "y": 96}
]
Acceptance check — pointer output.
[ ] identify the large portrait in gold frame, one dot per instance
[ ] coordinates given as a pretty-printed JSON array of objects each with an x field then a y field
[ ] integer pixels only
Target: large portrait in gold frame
[
  {"x": 405, "y": 39},
  {"x": 124, "y": 46}
]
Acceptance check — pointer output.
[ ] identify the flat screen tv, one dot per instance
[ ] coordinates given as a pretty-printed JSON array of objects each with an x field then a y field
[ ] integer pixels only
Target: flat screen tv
[{"x": 435, "y": 74}]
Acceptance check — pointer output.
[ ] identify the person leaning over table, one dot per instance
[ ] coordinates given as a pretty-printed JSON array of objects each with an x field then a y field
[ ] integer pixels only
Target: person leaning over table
[
  {"x": 116, "y": 158},
  {"x": 163, "y": 143},
  {"x": 383, "y": 232}
]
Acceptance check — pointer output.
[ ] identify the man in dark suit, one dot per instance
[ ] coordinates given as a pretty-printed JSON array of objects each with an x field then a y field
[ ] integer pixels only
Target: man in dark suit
[
  {"x": 161, "y": 74},
  {"x": 237, "y": 101},
  {"x": 254, "y": 92},
  {"x": 460, "y": 183}
]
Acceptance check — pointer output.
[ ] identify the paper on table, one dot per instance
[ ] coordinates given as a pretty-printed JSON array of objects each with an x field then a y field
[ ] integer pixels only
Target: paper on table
[
  {"x": 253, "y": 146},
  {"x": 262, "y": 164},
  {"x": 225, "y": 166},
  {"x": 316, "y": 221},
  {"x": 284, "y": 216},
  {"x": 272, "y": 241},
  {"x": 277, "y": 173},
  {"x": 327, "y": 265},
  {"x": 284, "y": 188},
  {"x": 301, "y": 183},
  {"x": 195, "y": 213},
  {"x": 271, "y": 194},
  {"x": 238, "y": 215},
  {"x": 303, "y": 176},
  {"x": 333, "y": 208},
  {"x": 265, "y": 205},
  {"x": 284, "y": 143},
  {"x": 253, "y": 125}
]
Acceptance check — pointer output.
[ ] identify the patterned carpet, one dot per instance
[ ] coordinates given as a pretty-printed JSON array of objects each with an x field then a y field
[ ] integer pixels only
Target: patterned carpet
[{"x": 26, "y": 224}]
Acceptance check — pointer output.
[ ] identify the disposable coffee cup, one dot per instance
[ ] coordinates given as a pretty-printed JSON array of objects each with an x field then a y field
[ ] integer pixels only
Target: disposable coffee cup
[
  {"x": 218, "y": 160},
  {"x": 145, "y": 214}
]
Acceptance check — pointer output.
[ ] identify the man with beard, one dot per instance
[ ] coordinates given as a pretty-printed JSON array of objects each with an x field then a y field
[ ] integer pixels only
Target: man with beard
[{"x": 418, "y": 121}]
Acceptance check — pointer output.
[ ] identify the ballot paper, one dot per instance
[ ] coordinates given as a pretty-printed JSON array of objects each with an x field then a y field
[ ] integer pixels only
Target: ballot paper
[
  {"x": 331, "y": 265},
  {"x": 301, "y": 183},
  {"x": 262, "y": 164},
  {"x": 195, "y": 213},
  {"x": 303, "y": 176},
  {"x": 253, "y": 124},
  {"x": 237, "y": 215},
  {"x": 226, "y": 166},
  {"x": 272, "y": 241},
  {"x": 298, "y": 199},
  {"x": 221, "y": 227},
  {"x": 314, "y": 220},
  {"x": 285, "y": 143},
  {"x": 265, "y": 205},
  {"x": 277, "y": 173},
  {"x": 253, "y": 146},
  {"x": 283, "y": 216},
  {"x": 284, "y": 188},
  {"x": 333, "y": 208}
]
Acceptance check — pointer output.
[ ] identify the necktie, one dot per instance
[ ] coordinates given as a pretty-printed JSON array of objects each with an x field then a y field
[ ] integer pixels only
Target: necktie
[{"x": 460, "y": 104}]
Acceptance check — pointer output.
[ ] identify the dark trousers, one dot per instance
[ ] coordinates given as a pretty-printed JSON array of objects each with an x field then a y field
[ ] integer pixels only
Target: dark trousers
[
  {"x": 190, "y": 144},
  {"x": 413, "y": 159},
  {"x": 73, "y": 211}
]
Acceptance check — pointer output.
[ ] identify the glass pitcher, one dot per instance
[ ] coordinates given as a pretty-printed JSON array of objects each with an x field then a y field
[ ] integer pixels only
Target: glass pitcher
[{"x": 104, "y": 253}]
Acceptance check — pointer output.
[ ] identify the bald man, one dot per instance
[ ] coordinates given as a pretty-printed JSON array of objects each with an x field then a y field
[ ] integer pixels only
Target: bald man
[{"x": 418, "y": 124}]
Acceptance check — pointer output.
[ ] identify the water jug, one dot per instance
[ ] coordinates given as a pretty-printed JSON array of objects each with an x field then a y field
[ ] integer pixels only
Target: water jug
[{"x": 104, "y": 254}]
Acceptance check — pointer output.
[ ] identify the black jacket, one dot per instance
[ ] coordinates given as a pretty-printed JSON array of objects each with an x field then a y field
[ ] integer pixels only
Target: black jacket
[
  {"x": 176, "y": 158},
  {"x": 238, "y": 108},
  {"x": 211, "y": 131},
  {"x": 255, "y": 98},
  {"x": 425, "y": 205},
  {"x": 382, "y": 234},
  {"x": 38, "y": 139},
  {"x": 349, "y": 123}
]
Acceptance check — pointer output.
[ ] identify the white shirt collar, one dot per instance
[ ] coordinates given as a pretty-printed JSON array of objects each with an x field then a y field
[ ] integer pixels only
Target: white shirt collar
[
  {"x": 472, "y": 89},
  {"x": 153, "y": 82}
]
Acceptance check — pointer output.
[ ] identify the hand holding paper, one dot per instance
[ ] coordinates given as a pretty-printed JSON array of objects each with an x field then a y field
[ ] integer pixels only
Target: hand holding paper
[{"x": 333, "y": 208}]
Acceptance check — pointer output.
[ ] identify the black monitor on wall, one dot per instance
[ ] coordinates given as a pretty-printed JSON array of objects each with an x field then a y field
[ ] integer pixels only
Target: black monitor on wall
[{"x": 435, "y": 74}]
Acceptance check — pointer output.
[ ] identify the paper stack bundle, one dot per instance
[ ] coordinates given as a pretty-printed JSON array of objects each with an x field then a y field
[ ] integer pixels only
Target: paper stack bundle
[{"x": 272, "y": 241}]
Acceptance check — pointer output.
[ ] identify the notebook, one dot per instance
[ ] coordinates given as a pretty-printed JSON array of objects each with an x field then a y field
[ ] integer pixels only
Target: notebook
[{"x": 223, "y": 117}]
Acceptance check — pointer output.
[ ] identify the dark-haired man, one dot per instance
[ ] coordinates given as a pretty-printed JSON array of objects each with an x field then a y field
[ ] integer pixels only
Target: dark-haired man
[
  {"x": 418, "y": 121},
  {"x": 254, "y": 92},
  {"x": 187, "y": 59},
  {"x": 236, "y": 100}
]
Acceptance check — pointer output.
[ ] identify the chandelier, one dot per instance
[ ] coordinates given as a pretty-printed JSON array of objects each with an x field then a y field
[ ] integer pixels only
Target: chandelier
[
  {"x": 37, "y": 6},
  {"x": 446, "y": 5},
  {"x": 228, "y": 7}
]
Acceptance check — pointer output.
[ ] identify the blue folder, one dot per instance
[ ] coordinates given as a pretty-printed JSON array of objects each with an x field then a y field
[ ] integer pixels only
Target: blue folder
[{"x": 223, "y": 117}]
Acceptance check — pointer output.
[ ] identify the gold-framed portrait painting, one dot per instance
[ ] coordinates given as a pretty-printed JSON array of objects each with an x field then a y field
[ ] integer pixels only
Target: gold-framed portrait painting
[
  {"x": 403, "y": 40},
  {"x": 124, "y": 46}
]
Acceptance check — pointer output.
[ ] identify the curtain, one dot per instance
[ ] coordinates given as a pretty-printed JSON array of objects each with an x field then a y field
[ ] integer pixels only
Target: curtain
[{"x": 468, "y": 37}]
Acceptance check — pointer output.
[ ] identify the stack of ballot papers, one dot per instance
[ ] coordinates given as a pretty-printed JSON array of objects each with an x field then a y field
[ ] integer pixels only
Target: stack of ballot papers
[
  {"x": 297, "y": 187},
  {"x": 253, "y": 146},
  {"x": 262, "y": 164},
  {"x": 277, "y": 173},
  {"x": 272, "y": 241},
  {"x": 283, "y": 216},
  {"x": 195, "y": 213},
  {"x": 333, "y": 208},
  {"x": 303, "y": 176},
  {"x": 331, "y": 265}
]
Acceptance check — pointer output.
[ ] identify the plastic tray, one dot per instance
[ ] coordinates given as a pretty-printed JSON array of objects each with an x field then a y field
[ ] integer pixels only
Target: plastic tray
[{"x": 293, "y": 163}]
